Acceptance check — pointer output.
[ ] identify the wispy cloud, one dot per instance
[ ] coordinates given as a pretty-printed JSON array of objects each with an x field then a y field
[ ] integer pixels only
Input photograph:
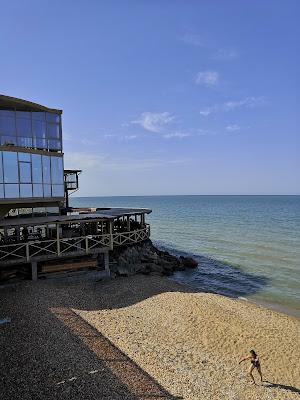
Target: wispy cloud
[
  {"x": 207, "y": 111},
  {"x": 154, "y": 122},
  {"x": 207, "y": 78},
  {"x": 225, "y": 54},
  {"x": 179, "y": 135},
  {"x": 194, "y": 39},
  {"x": 218, "y": 52},
  {"x": 233, "y": 128},
  {"x": 130, "y": 137},
  {"x": 89, "y": 161},
  {"x": 248, "y": 102}
]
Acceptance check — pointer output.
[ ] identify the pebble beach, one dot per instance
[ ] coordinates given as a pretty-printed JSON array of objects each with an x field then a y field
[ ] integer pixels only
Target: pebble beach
[{"x": 186, "y": 343}]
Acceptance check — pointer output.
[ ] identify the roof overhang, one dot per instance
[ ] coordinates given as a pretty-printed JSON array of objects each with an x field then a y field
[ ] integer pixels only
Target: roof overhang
[{"x": 24, "y": 105}]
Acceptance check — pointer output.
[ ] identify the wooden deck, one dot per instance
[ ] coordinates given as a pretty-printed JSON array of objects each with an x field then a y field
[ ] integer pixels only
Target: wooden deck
[{"x": 36, "y": 251}]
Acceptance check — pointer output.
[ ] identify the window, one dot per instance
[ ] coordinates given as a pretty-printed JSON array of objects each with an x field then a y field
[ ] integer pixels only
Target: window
[
  {"x": 7, "y": 122},
  {"x": 57, "y": 173},
  {"x": 10, "y": 166},
  {"x": 25, "y": 172},
  {"x": 26, "y": 190},
  {"x": 30, "y": 129},
  {"x": 38, "y": 190},
  {"x": 23, "y": 127},
  {"x": 30, "y": 175},
  {"x": 36, "y": 168},
  {"x": 57, "y": 190},
  {"x": 11, "y": 191},
  {"x": 47, "y": 190}
]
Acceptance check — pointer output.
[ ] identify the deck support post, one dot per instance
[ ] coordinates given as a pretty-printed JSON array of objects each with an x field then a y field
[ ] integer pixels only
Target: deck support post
[
  {"x": 128, "y": 223},
  {"x": 57, "y": 239},
  {"x": 110, "y": 227},
  {"x": 106, "y": 262},
  {"x": 34, "y": 275}
]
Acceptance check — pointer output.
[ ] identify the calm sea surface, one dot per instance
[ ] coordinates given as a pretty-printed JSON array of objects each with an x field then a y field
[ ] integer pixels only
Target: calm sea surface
[{"x": 247, "y": 246}]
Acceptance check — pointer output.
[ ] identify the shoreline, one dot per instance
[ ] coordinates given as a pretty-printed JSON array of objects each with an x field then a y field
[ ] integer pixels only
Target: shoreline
[{"x": 281, "y": 308}]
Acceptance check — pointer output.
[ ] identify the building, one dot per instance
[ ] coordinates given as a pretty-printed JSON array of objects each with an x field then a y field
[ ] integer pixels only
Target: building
[{"x": 36, "y": 222}]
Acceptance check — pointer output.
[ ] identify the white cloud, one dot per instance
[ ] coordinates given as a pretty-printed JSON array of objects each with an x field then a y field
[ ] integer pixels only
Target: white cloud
[
  {"x": 233, "y": 128},
  {"x": 207, "y": 78},
  {"x": 154, "y": 122},
  {"x": 248, "y": 102},
  {"x": 194, "y": 39},
  {"x": 96, "y": 163},
  {"x": 207, "y": 111},
  {"x": 130, "y": 137},
  {"x": 225, "y": 54},
  {"x": 179, "y": 135}
]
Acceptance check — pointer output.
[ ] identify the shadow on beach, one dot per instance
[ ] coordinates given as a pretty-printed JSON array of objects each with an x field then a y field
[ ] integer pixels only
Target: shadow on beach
[
  {"x": 51, "y": 352},
  {"x": 292, "y": 389}
]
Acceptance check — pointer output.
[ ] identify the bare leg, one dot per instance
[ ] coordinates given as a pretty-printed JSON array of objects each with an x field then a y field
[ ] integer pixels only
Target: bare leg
[
  {"x": 250, "y": 373},
  {"x": 259, "y": 371}
]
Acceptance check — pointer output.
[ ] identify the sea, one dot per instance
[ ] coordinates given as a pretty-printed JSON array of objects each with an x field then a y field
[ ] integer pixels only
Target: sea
[{"x": 248, "y": 247}]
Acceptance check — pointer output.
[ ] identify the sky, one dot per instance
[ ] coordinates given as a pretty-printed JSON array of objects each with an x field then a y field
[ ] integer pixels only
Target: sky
[{"x": 164, "y": 97}]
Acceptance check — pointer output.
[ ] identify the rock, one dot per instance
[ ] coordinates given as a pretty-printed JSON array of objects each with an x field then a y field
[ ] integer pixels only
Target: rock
[{"x": 188, "y": 262}]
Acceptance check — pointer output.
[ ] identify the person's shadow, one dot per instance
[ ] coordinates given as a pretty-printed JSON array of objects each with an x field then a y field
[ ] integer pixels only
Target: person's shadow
[{"x": 280, "y": 386}]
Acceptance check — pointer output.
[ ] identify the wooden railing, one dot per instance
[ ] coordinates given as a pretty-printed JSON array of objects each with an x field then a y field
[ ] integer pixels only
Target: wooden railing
[{"x": 53, "y": 248}]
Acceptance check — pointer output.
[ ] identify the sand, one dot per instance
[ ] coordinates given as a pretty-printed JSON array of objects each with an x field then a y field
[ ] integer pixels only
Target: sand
[{"x": 191, "y": 342}]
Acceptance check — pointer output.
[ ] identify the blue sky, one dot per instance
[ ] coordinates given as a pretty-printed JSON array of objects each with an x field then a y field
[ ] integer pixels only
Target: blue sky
[{"x": 164, "y": 97}]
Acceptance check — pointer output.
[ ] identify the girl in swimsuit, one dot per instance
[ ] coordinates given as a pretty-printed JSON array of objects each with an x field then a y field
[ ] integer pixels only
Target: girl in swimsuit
[{"x": 254, "y": 364}]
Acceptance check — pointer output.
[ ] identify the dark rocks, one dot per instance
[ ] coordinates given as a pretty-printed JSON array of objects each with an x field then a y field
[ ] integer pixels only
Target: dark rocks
[
  {"x": 145, "y": 258},
  {"x": 188, "y": 262}
]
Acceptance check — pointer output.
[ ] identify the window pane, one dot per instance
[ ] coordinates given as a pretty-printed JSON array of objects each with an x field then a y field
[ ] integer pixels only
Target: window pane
[
  {"x": 11, "y": 191},
  {"x": 7, "y": 125},
  {"x": 36, "y": 168},
  {"x": 24, "y": 157},
  {"x": 8, "y": 140},
  {"x": 57, "y": 190},
  {"x": 54, "y": 144},
  {"x": 25, "y": 172},
  {"x": 57, "y": 173},
  {"x": 40, "y": 116},
  {"x": 40, "y": 143},
  {"x": 1, "y": 170},
  {"x": 52, "y": 117},
  {"x": 25, "y": 141},
  {"x": 1, "y": 191},
  {"x": 47, "y": 190},
  {"x": 23, "y": 114},
  {"x": 37, "y": 190},
  {"x": 53, "y": 131},
  {"x": 39, "y": 128},
  {"x": 52, "y": 210},
  {"x": 25, "y": 190},
  {"x": 24, "y": 127},
  {"x": 10, "y": 166},
  {"x": 46, "y": 169}
]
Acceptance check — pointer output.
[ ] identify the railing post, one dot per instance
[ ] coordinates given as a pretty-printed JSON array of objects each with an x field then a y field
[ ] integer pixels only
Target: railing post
[{"x": 27, "y": 252}]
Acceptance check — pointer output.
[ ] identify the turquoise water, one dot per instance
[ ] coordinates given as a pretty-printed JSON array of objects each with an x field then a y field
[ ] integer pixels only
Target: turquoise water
[{"x": 247, "y": 246}]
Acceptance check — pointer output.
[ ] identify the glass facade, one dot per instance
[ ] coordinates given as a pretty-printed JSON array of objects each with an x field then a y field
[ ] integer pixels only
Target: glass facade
[
  {"x": 28, "y": 175},
  {"x": 39, "y": 130}
]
